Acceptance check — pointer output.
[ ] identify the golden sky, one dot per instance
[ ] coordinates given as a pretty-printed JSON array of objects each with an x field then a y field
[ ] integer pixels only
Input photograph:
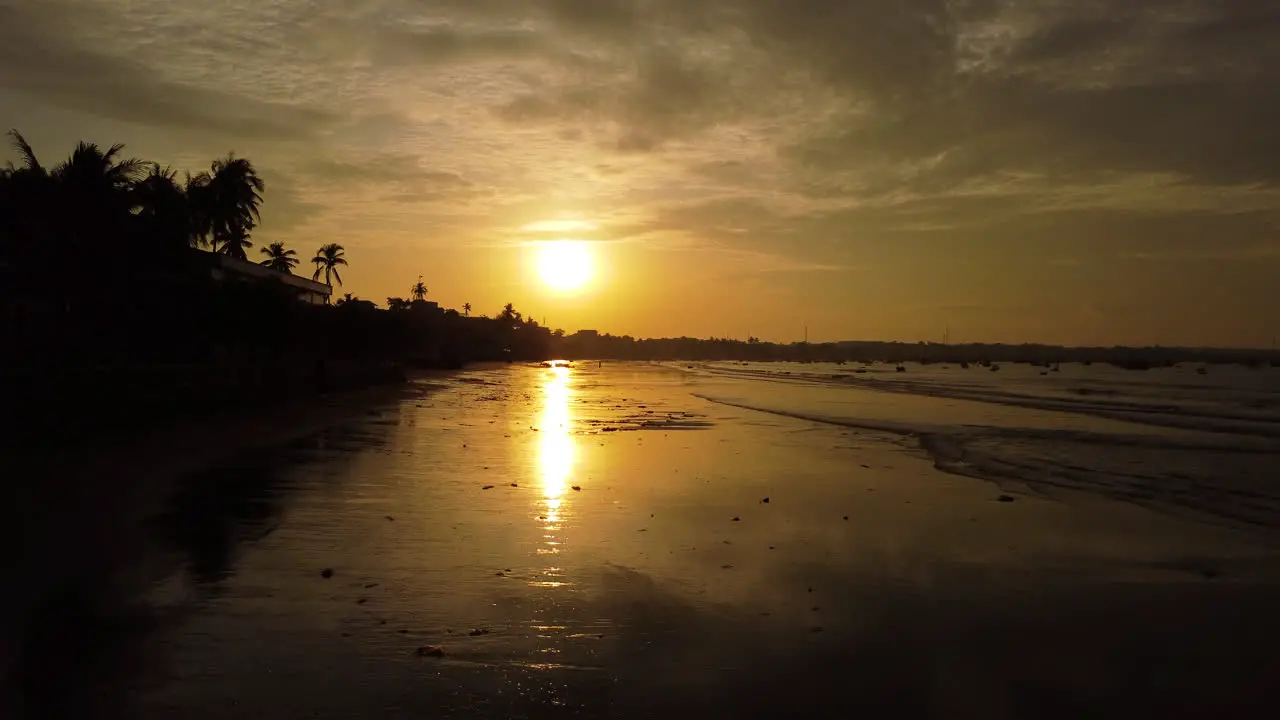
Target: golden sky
[{"x": 1069, "y": 171}]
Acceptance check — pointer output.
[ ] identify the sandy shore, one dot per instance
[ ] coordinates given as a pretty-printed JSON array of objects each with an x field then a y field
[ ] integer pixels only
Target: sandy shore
[{"x": 598, "y": 543}]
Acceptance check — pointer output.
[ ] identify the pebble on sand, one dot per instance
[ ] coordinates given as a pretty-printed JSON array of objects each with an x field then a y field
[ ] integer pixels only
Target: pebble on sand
[
  {"x": 515, "y": 484},
  {"x": 846, "y": 517},
  {"x": 1005, "y": 498},
  {"x": 736, "y": 519},
  {"x": 326, "y": 573},
  {"x": 765, "y": 501},
  {"x": 576, "y": 488},
  {"x": 500, "y": 574},
  {"x": 478, "y": 632},
  {"x": 388, "y": 517},
  {"x": 487, "y": 487},
  {"x": 429, "y": 651}
]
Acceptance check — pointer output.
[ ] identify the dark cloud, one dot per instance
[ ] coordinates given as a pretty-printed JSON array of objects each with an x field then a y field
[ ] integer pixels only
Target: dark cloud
[
  {"x": 40, "y": 58},
  {"x": 397, "y": 178},
  {"x": 1190, "y": 87},
  {"x": 446, "y": 44}
]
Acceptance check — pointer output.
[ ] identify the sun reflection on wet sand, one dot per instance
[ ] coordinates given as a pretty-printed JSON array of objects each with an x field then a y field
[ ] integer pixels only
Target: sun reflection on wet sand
[{"x": 555, "y": 459}]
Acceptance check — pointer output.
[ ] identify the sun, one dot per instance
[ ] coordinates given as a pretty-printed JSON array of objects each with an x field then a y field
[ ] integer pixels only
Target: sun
[{"x": 565, "y": 265}]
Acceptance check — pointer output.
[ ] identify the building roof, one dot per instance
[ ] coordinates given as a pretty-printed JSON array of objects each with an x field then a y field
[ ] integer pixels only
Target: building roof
[{"x": 251, "y": 269}]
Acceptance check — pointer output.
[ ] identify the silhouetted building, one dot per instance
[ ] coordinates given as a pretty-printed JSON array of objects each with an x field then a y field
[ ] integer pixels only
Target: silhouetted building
[{"x": 229, "y": 269}]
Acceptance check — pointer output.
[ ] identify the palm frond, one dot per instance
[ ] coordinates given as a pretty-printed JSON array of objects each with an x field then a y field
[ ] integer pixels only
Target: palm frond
[{"x": 24, "y": 149}]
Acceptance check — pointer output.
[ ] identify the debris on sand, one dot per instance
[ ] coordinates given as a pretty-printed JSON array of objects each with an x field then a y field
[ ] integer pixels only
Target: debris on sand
[
  {"x": 370, "y": 585},
  {"x": 478, "y": 632},
  {"x": 515, "y": 484},
  {"x": 1005, "y": 498},
  {"x": 500, "y": 574},
  {"x": 362, "y": 601},
  {"x": 402, "y": 631},
  {"x": 736, "y": 519},
  {"x": 770, "y": 547},
  {"x": 326, "y": 573},
  {"x": 429, "y": 651},
  {"x": 487, "y": 487},
  {"x": 846, "y": 517},
  {"x": 726, "y": 567},
  {"x": 868, "y": 467},
  {"x": 576, "y": 488},
  {"x": 389, "y": 518},
  {"x": 765, "y": 501}
]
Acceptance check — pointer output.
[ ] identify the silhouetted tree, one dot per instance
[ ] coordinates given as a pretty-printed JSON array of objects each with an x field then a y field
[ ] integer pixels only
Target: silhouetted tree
[
  {"x": 327, "y": 260},
  {"x": 25, "y": 205},
  {"x": 226, "y": 201},
  {"x": 419, "y": 290},
  {"x": 164, "y": 215},
  {"x": 395, "y": 303},
  {"x": 94, "y": 192},
  {"x": 466, "y": 308},
  {"x": 278, "y": 258},
  {"x": 236, "y": 245}
]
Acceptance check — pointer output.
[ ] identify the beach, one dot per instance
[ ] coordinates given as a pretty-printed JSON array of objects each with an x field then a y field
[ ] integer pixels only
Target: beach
[{"x": 634, "y": 540}]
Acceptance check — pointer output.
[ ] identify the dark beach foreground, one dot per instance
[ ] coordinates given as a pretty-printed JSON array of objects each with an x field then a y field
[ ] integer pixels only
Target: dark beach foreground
[{"x": 598, "y": 542}]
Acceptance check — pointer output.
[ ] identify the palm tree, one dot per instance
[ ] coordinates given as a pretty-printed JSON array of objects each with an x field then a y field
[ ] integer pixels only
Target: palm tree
[
  {"x": 278, "y": 258},
  {"x": 236, "y": 245},
  {"x": 327, "y": 260},
  {"x": 163, "y": 211},
  {"x": 466, "y": 308},
  {"x": 26, "y": 206},
  {"x": 227, "y": 200},
  {"x": 96, "y": 185},
  {"x": 346, "y": 298},
  {"x": 419, "y": 290},
  {"x": 395, "y": 303}
]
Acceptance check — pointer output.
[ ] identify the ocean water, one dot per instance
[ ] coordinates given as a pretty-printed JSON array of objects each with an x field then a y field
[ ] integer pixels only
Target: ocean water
[{"x": 1175, "y": 438}]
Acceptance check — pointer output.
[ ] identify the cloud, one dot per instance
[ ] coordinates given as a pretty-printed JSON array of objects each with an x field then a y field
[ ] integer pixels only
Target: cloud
[{"x": 39, "y": 57}]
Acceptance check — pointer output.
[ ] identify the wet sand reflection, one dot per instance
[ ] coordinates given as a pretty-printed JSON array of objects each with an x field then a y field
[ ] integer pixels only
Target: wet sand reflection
[{"x": 555, "y": 462}]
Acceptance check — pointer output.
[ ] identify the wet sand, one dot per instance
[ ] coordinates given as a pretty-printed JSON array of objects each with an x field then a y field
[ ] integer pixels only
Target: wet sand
[{"x": 596, "y": 543}]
